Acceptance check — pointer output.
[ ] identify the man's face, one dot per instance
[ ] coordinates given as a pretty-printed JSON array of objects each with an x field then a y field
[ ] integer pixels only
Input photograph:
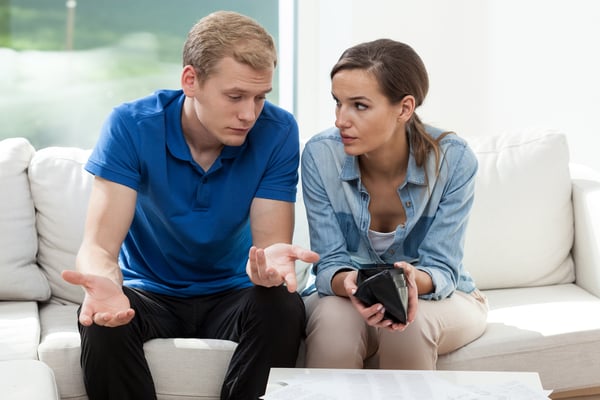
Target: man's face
[{"x": 230, "y": 100}]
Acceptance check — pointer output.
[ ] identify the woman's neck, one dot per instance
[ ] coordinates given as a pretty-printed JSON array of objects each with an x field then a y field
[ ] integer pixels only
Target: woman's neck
[{"x": 389, "y": 162}]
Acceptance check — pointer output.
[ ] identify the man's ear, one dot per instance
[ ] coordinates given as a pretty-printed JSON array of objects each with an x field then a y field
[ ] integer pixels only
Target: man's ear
[
  {"x": 406, "y": 108},
  {"x": 189, "y": 80}
]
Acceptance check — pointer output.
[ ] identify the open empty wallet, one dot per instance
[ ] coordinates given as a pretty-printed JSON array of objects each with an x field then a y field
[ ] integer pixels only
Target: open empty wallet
[{"x": 386, "y": 285}]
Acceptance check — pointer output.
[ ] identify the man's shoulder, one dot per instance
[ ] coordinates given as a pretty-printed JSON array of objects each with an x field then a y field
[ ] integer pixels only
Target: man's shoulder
[
  {"x": 274, "y": 129},
  {"x": 150, "y": 105}
]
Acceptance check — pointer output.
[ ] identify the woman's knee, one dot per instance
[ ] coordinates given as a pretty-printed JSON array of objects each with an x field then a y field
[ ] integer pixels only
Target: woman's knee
[{"x": 337, "y": 336}]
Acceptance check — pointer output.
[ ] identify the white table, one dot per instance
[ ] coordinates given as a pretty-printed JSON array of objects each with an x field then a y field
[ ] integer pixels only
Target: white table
[{"x": 376, "y": 382}]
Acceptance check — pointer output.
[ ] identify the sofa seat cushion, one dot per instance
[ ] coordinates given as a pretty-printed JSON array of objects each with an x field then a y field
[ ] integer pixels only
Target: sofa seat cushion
[
  {"x": 549, "y": 329},
  {"x": 19, "y": 330},
  {"x": 188, "y": 368},
  {"x": 60, "y": 348},
  {"x": 20, "y": 277},
  {"x": 27, "y": 379},
  {"x": 170, "y": 360}
]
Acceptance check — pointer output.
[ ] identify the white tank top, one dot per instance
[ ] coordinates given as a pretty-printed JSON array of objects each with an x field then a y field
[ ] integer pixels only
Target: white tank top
[{"x": 381, "y": 241}]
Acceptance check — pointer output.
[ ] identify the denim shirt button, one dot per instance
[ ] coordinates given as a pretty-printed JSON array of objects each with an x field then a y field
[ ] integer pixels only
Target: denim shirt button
[{"x": 408, "y": 204}]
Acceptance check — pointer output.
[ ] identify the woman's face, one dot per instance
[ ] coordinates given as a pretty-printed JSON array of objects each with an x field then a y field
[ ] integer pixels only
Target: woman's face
[{"x": 366, "y": 119}]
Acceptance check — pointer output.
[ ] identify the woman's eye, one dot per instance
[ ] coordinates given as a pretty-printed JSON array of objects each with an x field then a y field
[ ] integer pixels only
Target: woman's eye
[{"x": 360, "y": 106}]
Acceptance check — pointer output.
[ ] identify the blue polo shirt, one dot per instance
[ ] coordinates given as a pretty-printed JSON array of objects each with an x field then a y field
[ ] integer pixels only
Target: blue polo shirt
[{"x": 190, "y": 234}]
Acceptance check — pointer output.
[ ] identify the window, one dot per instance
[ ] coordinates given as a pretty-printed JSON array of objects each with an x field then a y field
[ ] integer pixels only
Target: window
[{"x": 65, "y": 64}]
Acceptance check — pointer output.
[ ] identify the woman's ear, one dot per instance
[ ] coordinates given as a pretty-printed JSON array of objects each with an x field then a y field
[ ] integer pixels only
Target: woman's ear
[
  {"x": 406, "y": 108},
  {"x": 189, "y": 80}
]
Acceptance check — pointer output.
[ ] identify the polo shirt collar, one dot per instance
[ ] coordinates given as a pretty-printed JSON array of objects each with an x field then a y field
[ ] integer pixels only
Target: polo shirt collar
[{"x": 176, "y": 143}]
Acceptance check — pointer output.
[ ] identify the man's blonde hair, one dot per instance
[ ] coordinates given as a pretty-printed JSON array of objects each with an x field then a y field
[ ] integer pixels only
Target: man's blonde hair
[{"x": 228, "y": 34}]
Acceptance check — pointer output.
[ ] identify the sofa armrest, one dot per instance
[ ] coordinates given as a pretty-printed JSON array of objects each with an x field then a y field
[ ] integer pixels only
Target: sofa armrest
[{"x": 586, "y": 209}]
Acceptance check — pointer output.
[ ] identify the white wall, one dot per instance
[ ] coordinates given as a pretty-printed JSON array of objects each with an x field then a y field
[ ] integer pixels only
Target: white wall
[{"x": 494, "y": 65}]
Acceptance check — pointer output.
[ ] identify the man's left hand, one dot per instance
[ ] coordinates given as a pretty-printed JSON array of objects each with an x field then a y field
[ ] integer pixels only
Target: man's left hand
[{"x": 276, "y": 264}]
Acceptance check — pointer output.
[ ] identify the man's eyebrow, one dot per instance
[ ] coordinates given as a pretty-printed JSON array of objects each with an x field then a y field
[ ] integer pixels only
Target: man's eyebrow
[{"x": 244, "y": 91}]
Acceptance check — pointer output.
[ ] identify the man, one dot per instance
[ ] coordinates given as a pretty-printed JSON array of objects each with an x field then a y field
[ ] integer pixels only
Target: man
[{"x": 190, "y": 220}]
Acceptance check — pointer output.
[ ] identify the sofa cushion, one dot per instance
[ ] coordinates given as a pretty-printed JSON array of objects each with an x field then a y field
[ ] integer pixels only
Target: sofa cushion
[
  {"x": 170, "y": 360},
  {"x": 60, "y": 348},
  {"x": 20, "y": 277},
  {"x": 548, "y": 329},
  {"x": 60, "y": 188},
  {"x": 520, "y": 233},
  {"x": 27, "y": 379},
  {"x": 19, "y": 330}
]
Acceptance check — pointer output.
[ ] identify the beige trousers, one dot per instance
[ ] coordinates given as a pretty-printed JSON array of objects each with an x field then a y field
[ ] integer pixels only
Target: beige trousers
[{"x": 338, "y": 337}]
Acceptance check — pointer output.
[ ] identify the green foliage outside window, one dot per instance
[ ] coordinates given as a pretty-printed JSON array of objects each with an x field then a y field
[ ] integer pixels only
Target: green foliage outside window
[{"x": 65, "y": 64}]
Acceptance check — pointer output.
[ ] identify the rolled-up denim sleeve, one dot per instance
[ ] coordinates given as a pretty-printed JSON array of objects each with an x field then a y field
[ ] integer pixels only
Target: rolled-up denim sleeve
[
  {"x": 325, "y": 276},
  {"x": 326, "y": 236}
]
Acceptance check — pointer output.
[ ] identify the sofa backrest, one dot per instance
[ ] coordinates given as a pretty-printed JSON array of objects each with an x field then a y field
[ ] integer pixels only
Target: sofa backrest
[
  {"x": 521, "y": 228},
  {"x": 520, "y": 232},
  {"x": 60, "y": 188}
]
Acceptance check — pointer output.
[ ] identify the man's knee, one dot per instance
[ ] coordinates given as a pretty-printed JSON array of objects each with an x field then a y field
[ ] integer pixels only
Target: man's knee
[{"x": 277, "y": 307}]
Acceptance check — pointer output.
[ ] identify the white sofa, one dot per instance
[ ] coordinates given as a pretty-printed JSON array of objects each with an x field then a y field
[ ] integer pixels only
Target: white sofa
[{"x": 533, "y": 246}]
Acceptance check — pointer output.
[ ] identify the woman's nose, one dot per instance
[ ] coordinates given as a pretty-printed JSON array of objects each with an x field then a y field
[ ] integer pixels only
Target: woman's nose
[{"x": 341, "y": 121}]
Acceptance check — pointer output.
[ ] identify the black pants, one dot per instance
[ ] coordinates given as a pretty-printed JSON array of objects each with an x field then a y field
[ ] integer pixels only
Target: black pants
[{"x": 267, "y": 324}]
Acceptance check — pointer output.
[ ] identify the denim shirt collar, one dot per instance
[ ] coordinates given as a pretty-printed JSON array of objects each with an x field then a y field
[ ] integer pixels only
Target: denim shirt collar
[{"x": 414, "y": 174}]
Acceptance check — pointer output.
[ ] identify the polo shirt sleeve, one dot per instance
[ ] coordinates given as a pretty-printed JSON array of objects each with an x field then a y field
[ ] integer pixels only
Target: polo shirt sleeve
[
  {"x": 114, "y": 156},
  {"x": 280, "y": 179}
]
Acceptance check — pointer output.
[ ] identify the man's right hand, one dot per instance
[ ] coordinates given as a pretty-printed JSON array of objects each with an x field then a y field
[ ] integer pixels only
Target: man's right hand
[{"x": 104, "y": 303}]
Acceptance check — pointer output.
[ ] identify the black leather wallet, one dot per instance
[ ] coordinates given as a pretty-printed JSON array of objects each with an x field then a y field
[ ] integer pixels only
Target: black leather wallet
[{"x": 386, "y": 285}]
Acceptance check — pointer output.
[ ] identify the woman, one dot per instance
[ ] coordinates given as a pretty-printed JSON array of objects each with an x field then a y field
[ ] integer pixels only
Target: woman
[{"x": 383, "y": 188}]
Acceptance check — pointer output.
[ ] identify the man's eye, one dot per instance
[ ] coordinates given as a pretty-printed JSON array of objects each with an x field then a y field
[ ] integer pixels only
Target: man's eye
[{"x": 234, "y": 98}]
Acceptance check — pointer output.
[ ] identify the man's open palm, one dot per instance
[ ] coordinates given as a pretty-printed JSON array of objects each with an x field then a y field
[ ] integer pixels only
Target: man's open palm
[
  {"x": 277, "y": 264},
  {"x": 104, "y": 303}
]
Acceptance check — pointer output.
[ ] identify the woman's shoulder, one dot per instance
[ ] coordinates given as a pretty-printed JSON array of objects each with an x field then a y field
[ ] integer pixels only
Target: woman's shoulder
[
  {"x": 455, "y": 149},
  {"x": 448, "y": 137},
  {"x": 330, "y": 136},
  {"x": 325, "y": 151},
  {"x": 325, "y": 143},
  {"x": 449, "y": 141}
]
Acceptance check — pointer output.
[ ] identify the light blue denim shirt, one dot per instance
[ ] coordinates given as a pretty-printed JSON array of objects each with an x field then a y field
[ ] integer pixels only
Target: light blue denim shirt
[{"x": 437, "y": 210}]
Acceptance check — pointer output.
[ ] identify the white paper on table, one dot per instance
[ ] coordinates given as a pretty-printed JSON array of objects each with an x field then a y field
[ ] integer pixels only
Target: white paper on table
[{"x": 354, "y": 385}]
